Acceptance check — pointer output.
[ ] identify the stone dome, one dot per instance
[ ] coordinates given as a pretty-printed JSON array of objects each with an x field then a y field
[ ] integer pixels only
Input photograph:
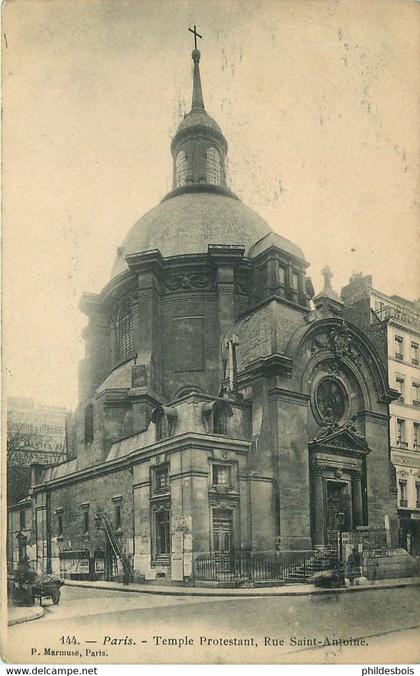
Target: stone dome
[
  {"x": 187, "y": 223},
  {"x": 198, "y": 118}
]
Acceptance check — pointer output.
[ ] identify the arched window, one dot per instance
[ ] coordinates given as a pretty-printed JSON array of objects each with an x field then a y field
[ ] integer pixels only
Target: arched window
[
  {"x": 220, "y": 420},
  {"x": 180, "y": 169},
  {"x": 164, "y": 418},
  {"x": 214, "y": 168},
  {"x": 124, "y": 334},
  {"x": 215, "y": 415},
  {"x": 89, "y": 428}
]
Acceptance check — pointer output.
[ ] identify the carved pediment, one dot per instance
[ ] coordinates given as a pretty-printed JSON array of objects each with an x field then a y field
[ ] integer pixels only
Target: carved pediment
[{"x": 343, "y": 438}]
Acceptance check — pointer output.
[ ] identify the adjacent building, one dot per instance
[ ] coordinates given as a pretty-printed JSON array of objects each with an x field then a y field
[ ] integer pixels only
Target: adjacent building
[
  {"x": 394, "y": 324},
  {"x": 225, "y": 410},
  {"x": 35, "y": 433}
]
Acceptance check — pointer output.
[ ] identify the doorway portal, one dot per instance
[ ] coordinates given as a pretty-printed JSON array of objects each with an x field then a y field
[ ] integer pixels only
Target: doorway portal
[
  {"x": 222, "y": 538},
  {"x": 338, "y": 500}
]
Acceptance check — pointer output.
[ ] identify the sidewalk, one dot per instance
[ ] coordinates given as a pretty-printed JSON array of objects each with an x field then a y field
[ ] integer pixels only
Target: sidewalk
[
  {"x": 287, "y": 590},
  {"x": 18, "y": 614}
]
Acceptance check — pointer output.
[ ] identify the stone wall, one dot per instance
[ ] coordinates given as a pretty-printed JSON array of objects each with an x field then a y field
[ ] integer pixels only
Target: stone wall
[{"x": 394, "y": 564}]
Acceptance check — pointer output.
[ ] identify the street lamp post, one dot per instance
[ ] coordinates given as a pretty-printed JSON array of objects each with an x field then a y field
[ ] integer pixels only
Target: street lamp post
[{"x": 340, "y": 519}]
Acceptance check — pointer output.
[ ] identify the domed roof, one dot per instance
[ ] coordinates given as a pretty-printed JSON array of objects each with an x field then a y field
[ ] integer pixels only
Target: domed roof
[
  {"x": 187, "y": 223},
  {"x": 198, "y": 118}
]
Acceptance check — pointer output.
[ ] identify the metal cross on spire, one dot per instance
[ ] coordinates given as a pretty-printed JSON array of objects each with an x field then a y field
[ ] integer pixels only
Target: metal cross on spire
[{"x": 196, "y": 35}]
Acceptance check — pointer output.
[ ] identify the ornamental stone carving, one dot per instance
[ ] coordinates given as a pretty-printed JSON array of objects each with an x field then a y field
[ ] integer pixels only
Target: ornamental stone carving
[
  {"x": 194, "y": 280},
  {"x": 339, "y": 341}
]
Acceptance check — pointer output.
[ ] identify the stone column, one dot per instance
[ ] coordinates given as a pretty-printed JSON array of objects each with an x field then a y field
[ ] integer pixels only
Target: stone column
[
  {"x": 356, "y": 487},
  {"x": 318, "y": 506}
]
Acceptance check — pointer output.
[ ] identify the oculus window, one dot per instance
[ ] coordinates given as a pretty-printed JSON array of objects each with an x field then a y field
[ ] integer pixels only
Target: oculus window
[{"x": 331, "y": 399}]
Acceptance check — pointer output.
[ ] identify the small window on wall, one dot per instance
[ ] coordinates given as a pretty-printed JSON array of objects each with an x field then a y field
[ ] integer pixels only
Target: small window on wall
[
  {"x": 400, "y": 387},
  {"x": 401, "y": 433},
  {"x": 417, "y": 494},
  {"x": 59, "y": 525},
  {"x": 161, "y": 482},
  {"x": 214, "y": 169},
  {"x": 416, "y": 436},
  {"x": 22, "y": 519},
  {"x": 180, "y": 169},
  {"x": 164, "y": 418},
  {"x": 125, "y": 344},
  {"x": 403, "y": 492},
  {"x": 415, "y": 353},
  {"x": 222, "y": 475},
  {"x": 416, "y": 394},
  {"x": 162, "y": 532},
  {"x": 219, "y": 420},
  {"x": 89, "y": 424},
  {"x": 399, "y": 347},
  {"x": 295, "y": 281},
  {"x": 282, "y": 275}
]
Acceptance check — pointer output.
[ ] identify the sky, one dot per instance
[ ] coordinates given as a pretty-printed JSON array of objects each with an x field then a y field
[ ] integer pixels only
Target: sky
[{"x": 319, "y": 102}]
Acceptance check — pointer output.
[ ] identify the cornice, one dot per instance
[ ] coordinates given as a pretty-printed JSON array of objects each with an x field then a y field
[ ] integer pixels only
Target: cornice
[
  {"x": 226, "y": 254},
  {"x": 276, "y": 299},
  {"x": 289, "y": 395},
  {"x": 281, "y": 254},
  {"x": 191, "y": 440},
  {"x": 373, "y": 416},
  {"x": 145, "y": 261},
  {"x": 267, "y": 365}
]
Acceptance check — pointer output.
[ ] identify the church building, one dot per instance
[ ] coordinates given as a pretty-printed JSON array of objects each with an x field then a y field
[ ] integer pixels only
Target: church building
[{"x": 224, "y": 407}]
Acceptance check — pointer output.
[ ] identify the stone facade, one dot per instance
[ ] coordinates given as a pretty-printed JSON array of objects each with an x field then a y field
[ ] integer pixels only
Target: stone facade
[{"x": 223, "y": 409}]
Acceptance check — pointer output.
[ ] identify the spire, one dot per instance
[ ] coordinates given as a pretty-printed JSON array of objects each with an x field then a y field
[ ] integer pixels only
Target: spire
[
  {"x": 198, "y": 147},
  {"x": 197, "y": 95}
]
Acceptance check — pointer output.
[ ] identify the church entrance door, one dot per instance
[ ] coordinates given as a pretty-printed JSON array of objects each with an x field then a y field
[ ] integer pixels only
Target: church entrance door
[
  {"x": 222, "y": 539},
  {"x": 338, "y": 500}
]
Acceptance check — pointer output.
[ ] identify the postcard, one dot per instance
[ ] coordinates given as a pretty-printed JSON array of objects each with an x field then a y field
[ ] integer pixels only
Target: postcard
[{"x": 211, "y": 331}]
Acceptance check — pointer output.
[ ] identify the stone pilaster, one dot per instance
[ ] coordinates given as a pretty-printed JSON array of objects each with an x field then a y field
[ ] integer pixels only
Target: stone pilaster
[
  {"x": 146, "y": 313},
  {"x": 318, "y": 506},
  {"x": 289, "y": 413},
  {"x": 357, "y": 499},
  {"x": 226, "y": 258}
]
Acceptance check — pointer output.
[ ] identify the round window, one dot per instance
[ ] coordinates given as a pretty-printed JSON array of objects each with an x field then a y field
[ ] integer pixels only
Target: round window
[{"x": 331, "y": 399}]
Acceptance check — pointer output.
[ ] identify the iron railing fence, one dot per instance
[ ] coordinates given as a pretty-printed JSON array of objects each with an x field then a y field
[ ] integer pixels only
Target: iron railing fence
[{"x": 243, "y": 567}]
